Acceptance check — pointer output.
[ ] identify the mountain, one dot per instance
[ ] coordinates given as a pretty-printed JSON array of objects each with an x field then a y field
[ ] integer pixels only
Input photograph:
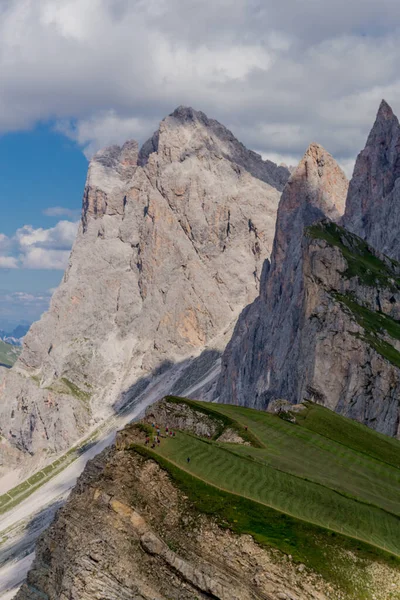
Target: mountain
[
  {"x": 244, "y": 519},
  {"x": 8, "y": 354},
  {"x": 16, "y": 336},
  {"x": 169, "y": 250},
  {"x": 373, "y": 203},
  {"x": 326, "y": 323}
]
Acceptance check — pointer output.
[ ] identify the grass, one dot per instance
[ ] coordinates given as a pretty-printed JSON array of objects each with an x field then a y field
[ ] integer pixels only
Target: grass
[
  {"x": 375, "y": 324},
  {"x": 222, "y": 420},
  {"x": 360, "y": 257},
  {"x": 323, "y": 551},
  {"x": 74, "y": 390},
  {"x": 312, "y": 488},
  {"x": 8, "y": 354},
  {"x": 23, "y": 490}
]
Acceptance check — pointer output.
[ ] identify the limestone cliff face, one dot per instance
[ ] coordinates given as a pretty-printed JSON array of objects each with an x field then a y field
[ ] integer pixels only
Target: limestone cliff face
[
  {"x": 326, "y": 323},
  {"x": 262, "y": 360},
  {"x": 373, "y": 204},
  {"x": 169, "y": 250},
  {"x": 344, "y": 342}
]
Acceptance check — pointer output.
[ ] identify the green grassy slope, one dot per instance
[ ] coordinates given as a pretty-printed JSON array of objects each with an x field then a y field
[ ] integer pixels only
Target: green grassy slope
[
  {"x": 324, "y": 480},
  {"x": 8, "y": 354},
  {"x": 371, "y": 270}
]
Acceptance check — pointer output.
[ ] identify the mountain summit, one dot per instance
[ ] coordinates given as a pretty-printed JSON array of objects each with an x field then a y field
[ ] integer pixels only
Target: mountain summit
[
  {"x": 373, "y": 203},
  {"x": 263, "y": 360},
  {"x": 325, "y": 326},
  {"x": 169, "y": 250}
]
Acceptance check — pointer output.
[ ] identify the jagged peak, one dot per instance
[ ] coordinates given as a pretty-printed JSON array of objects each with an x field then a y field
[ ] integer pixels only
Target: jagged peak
[
  {"x": 111, "y": 167},
  {"x": 324, "y": 181},
  {"x": 187, "y": 113},
  {"x": 316, "y": 190},
  {"x": 113, "y": 154},
  {"x": 385, "y": 111},
  {"x": 384, "y": 124},
  {"x": 185, "y": 130}
]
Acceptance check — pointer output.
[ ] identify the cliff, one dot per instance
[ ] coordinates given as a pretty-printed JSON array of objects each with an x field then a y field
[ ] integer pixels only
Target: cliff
[
  {"x": 372, "y": 208},
  {"x": 326, "y": 323},
  {"x": 169, "y": 250}
]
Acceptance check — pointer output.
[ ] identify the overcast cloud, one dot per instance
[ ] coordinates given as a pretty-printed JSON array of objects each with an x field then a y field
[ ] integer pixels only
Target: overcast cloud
[{"x": 279, "y": 74}]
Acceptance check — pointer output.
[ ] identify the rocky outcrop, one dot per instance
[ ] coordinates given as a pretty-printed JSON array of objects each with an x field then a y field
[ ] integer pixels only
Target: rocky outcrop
[
  {"x": 373, "y": 204},
  {"x": 346, "y": 347},
  {"x": 326, "y": 323},
  {"x": 262, "y": 360},
  {"x": 127, "y": 532},
  {"x": 169, "y": 250}
]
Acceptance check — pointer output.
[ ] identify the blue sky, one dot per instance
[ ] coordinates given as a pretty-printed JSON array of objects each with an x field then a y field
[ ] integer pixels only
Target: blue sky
[
  {"x": 42, "y": 171},
  {"x": 77, "y": 75}
]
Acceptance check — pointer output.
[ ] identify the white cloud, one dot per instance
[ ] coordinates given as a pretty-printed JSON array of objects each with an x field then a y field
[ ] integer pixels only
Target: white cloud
[
  {"x": 39, "y": 248},
  {"x": 60, "y": 237},
  {"x": 105, "y": 128},
  {"x": 8, "y": 262},
  {"x": 21, "y": 306},
  {"x": 280, "y": 74},
  {"x": 60, "y": 211},
  {"x": 41, "y": 258}
]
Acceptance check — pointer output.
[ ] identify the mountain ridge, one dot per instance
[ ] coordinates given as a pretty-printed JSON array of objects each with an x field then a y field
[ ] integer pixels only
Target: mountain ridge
[
  {"x": 320, "y": 327},
  {"x": 166, "y": 256}
]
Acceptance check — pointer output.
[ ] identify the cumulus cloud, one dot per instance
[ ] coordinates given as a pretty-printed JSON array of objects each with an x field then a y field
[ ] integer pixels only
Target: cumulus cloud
[
  {"x": 60, "y": 211},
  {"x": 8, "y": 262},
  {"x": 38, "y": 248},
  {"x": 279, "y": 74},
  {"x": 104, "y": 128}
]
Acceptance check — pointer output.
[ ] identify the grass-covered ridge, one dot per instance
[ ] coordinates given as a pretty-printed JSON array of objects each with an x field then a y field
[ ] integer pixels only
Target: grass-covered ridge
[
  {"x": 361, "y": 259},
  {"x": 317, "y": 487}
]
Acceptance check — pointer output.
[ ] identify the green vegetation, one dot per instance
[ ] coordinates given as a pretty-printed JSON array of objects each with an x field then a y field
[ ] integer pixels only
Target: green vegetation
[
  {"x": 351, "y": 434},
  {"x": 361, "y": 258},
  {"x": 313, "y": 489},
  {"x": 74, "y": 390},
  {"x": 375, "y": 324},
  {"x": 20, "y": 492},
  {"x": 8, "y": 354}
]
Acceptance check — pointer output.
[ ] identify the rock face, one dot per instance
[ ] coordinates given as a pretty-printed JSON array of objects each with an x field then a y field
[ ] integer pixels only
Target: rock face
[
  {"x": 128, "y": 532},
  {"x": 169, "y": 250},
  {"x": 373, "y": 204},
  {"x": 326, "y": 324},
  {"x": 262, "y": 361}
]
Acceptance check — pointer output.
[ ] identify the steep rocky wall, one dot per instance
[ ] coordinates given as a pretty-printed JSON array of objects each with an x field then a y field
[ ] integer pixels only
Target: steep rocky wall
[
  {"x": 260, "y": 361},
  {"x": 373, "y": 203},
  {"x": 326, "y": 323},
  {"x": 169, "y": 250},
  {"x": 347, "y": 337}
]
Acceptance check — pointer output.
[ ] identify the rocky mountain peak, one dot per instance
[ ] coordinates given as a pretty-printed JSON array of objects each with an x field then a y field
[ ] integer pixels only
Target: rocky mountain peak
[
  {"x": 170, "y": 249},
  {"x": 113, "y": 160},
  {"x": 316, "y": 190},
  {"x": 385, "y": 112},
  {"x": 187, "y": 132},
  {"x": 109, "y": 172},
  {"x": 373, "y": 202}
]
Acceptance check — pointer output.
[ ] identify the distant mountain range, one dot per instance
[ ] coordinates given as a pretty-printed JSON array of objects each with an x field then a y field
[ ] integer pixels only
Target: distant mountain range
[{"x": 16, "y": 336}]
